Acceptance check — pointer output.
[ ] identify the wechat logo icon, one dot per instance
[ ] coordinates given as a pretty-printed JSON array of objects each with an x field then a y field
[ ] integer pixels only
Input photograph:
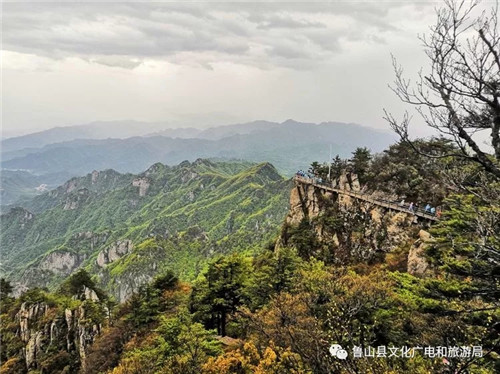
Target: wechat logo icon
[{"x": 336, "y": 350}]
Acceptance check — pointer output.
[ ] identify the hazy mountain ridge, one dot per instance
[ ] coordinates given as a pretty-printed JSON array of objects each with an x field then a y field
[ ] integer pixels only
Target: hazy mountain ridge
[
  {"x": 289, "y": 146},
  {"x": 93, "y": 130}
]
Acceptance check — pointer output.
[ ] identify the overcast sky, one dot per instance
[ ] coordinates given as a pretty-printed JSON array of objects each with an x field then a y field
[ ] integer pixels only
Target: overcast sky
[{"x": 205, "y": 63}]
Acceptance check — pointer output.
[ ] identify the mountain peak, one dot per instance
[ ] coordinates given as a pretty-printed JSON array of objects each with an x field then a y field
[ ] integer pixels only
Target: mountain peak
[
  {"x": 203, "y": 161},
  {"x": 290, "y": 122},
  {"x": 155, "y": 168},
  {"x": 267, "y": 170}
]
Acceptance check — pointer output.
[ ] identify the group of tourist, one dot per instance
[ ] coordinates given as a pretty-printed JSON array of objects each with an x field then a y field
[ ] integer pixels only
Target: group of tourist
[
  {"x": 303, "y": 174},
  {"x": 428, "y": 209},
  {"x": 412, "y": 207}
]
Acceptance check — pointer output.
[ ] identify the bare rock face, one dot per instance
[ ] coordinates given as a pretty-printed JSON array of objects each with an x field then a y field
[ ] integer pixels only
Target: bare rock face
[
  {"x": 23, "y": 216},
  {"x": 190, "y": 196},
  {"x": 28, "y": 216},
  {"x": 26, "y": 315},
  {"x": 31, "y": 335},
  {"x": 143, "y": 184},
  {"x": 70, "y": 186},
  {"x": 196, "y": 233},
  {"x": 94, "y": 176},
  {"x": 354, "y": 185},
  {"x": 129, "y": 286},
  {"x": 347, "y": 181},
  {"x": 350, "y": 229},
  {"x": 42, "y": 328},
  {"x": 34, "y": 349},
  {"x": 61, "y": 262},
  {"x": 90, "y": 294},
  {"x": 303, "y": 203},
  {"x": 70, "y": 205},
  {"x": 188, "y": 175},
  {"x": 114, "y": 252},
  {"x": 417, "y": 263},
  {"x": 80, "y": 334}
]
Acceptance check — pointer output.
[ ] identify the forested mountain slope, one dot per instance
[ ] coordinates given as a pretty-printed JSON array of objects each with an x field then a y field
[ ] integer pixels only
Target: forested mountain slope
[{"x": 127, "y": 227}]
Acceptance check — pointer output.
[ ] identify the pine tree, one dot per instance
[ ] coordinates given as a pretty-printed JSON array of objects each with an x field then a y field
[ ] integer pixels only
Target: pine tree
[{"x": 220, "y": 291}]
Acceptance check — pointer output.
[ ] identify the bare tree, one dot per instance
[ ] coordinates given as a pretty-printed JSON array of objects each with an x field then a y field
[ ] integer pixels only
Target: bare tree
[{"x": 459, "y": 95}]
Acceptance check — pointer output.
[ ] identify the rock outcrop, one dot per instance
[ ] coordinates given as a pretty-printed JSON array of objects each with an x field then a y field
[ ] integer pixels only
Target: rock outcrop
[
  {"x": 127, "y": 285},
  {"x": 44, "y": 329},
  {"x": 94, "y": 176},
  {"x": 22, "y": 216},
  {"x": 348, "y": 229},
  {"x": 143, "y": 184},
  {"x": 417, "y": 263},
  {"x": 119, "y": 249},
  {"x": 188, "y": 175},
  {"x": 61, "y": 262}
]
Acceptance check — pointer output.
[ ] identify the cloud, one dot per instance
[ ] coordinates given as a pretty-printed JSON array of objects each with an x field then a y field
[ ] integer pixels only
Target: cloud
[
  {"x": 117, "y": 61},
  {"x": 284, "y": 21},
  {"x": 258, "y": 34},
  {"x": 199, "y": 63}
]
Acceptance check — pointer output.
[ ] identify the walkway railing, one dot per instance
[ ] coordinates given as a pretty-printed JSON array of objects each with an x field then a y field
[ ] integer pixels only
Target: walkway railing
[{"x": 365, "y": 197}]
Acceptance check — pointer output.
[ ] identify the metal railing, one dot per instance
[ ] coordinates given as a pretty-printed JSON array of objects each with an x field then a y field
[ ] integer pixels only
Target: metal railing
[{"x": 365, "y": 197}]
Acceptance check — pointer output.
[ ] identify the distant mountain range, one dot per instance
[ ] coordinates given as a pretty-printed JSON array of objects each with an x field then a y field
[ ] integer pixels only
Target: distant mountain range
[
  {"x": 79, "y": 150},
  {"x": 94, "y": 130},
  {"x": 219, "y": 132}
]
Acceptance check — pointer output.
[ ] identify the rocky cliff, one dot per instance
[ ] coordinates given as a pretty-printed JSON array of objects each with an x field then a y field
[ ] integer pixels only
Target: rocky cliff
[
  {"x": 55, "y": 333},
  {"x": 345, "y": 229}
]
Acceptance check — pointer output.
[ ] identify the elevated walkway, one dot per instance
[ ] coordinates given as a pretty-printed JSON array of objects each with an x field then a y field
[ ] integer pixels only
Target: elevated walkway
[{"x": 365, "y": 197}]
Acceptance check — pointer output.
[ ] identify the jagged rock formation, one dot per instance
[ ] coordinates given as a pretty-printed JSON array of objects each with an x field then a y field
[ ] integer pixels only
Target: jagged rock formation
[
  {"x": 119, "y": 249},
  {"x": 44, "y": 329},
  {"x": 143, "y": 184},
  {"x": 417, "y": 263},
  {"x": 61, "y": 262},
  {"x": 22, "y": 217},
  {"x": 345, "y": 229},
  {"x": 73, "y": 201}
]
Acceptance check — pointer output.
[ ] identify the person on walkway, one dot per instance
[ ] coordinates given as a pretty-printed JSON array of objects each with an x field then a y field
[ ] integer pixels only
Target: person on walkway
[
  {"x": 427, "y": 208},
  {"x": 410, "y": 208},
  {"x": 433, "y": 210},
  {"x": 438, "y": 213}
]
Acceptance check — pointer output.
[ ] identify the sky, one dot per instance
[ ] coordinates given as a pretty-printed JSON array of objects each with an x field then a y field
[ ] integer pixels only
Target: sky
[{"x": 205, "y": 63}]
